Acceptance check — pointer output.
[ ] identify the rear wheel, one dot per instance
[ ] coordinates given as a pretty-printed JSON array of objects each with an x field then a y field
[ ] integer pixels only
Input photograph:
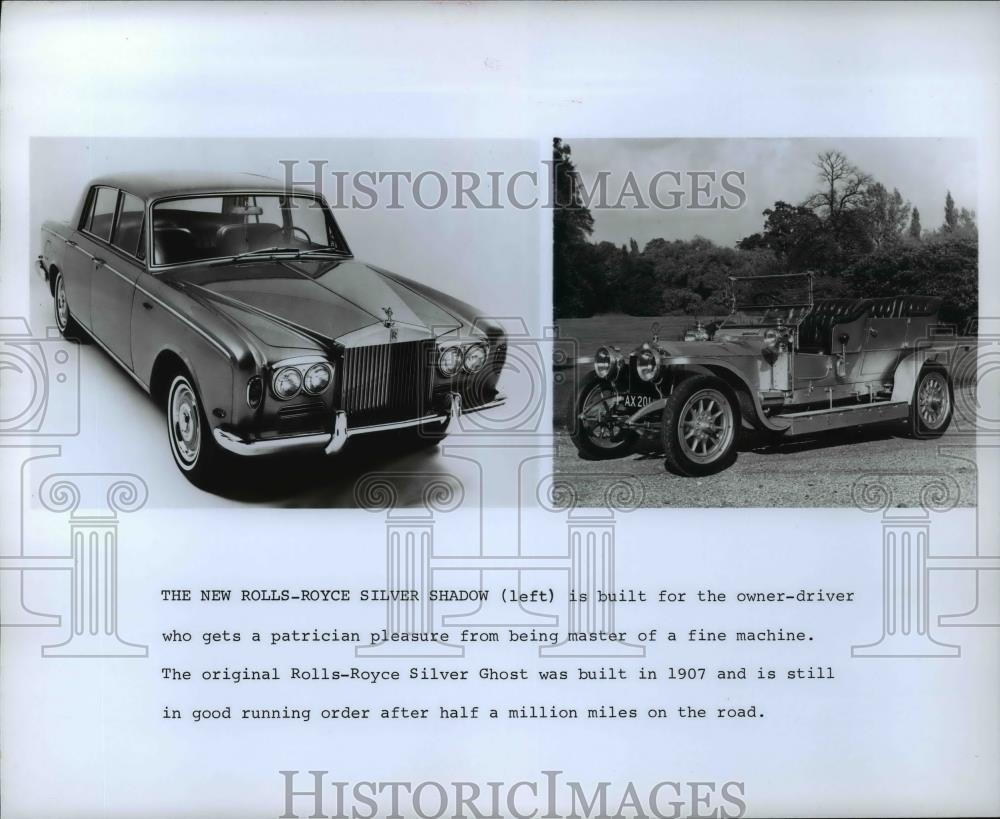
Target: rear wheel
[
  {"x": 700, "y": 427},
  {"x": 932, "y": 404},
  {"x": 67, "y": 325},
  {"x": 597, "y": 431},
  {"x": 191, "y": 443}
]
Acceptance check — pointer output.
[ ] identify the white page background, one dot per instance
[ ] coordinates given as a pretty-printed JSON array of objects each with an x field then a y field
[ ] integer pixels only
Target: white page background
[{"x": 83, "y": 738}]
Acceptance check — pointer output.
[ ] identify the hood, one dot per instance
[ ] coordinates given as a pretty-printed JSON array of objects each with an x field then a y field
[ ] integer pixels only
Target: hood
[
  {"x": 342, "y": 301},
  {"x": 748, "y": 346}
]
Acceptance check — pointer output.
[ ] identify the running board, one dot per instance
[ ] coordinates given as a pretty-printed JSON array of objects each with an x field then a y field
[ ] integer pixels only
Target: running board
[{"x": 803, "y": 423}]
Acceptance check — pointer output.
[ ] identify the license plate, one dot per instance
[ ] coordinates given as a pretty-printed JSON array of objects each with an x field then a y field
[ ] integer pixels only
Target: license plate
[{"x": 634, "y": 402}]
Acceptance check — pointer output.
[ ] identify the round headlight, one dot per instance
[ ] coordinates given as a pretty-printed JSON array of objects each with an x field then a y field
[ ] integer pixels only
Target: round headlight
[
  {"x": 647, "y": 364},
  {"x": 317, "y": 379},
  {"x": 286, "y": 383},
  {"x": 602, "y": 362},
  {"x": 475, "y": 357},
  {"x": 450, "y": 360}
]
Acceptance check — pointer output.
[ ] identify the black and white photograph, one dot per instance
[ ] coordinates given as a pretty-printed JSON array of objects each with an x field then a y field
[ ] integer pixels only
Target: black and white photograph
[
  {"x": 475, "y": 410},
  {"x": 758, "y": 320},
  {"x": 280, "y": 317}
]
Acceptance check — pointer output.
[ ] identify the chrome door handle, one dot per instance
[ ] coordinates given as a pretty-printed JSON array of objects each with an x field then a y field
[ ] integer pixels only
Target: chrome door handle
[
  {"x": 147, "y": 305},
  {"x": 98, "y": 262}
]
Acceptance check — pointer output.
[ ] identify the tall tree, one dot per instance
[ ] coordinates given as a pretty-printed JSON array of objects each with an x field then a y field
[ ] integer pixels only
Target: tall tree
[
  {"x": 915, "y": 228},
  {"x": 574, "y": 264},
  {"x": 887, "y": 214},
  {"x": 950, "y": 214},
  {"x": 796, "y": 235},
  {"x": 842, "y": 186}
]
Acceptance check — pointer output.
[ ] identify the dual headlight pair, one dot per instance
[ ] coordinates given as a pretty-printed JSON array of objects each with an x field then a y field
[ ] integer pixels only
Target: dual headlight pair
[
  {"x": 455, "y": 358},
  {"x": 608, "y": 362},
  {"x": 290, "y": 380}
]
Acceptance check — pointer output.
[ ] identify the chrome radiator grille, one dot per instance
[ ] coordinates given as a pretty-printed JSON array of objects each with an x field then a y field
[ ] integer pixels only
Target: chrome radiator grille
[{"x": 386, "y": 382}]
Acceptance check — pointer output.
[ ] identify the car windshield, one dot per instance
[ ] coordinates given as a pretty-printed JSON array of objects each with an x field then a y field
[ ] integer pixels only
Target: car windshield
[
  {"x": 768, "y": 299},
  {"x": 229, "y": 226}
]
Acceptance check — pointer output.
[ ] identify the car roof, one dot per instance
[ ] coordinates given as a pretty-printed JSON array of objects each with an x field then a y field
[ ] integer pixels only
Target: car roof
[{"x": 173, "y": 183}]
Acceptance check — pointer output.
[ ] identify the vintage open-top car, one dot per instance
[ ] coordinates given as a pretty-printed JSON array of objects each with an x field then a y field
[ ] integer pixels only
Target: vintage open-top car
[
  {"x": 237, "y": 304},
  {"x": 782, "y": 363}
]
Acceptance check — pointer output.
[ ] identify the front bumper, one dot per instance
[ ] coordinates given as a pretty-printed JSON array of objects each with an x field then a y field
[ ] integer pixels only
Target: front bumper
[{"x": 331, "y": 443}]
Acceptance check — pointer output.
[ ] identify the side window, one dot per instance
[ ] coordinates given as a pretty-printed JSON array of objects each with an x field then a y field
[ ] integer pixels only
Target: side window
[
  {"x": 104, "y": 213},
  {"x": 88, "y": 210},
  {"x": 129, "y": 228}
]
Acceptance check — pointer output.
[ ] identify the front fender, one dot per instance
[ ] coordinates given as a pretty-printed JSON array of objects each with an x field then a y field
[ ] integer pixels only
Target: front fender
[{"x": 747, "y": 394}]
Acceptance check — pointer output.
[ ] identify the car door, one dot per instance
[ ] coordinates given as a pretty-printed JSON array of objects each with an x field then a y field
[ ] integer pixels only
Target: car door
[
  {"x": 116, "y": 267},
  {"x": 115, "y": 242},
  {"x": 78, "y": 264}
]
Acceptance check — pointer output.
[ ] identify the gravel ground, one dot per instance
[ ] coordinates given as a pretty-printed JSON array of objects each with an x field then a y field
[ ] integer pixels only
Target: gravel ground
[{"x": 813, "y": 472}]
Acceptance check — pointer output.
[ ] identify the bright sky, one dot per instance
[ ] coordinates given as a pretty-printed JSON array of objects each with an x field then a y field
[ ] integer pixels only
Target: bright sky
[{"x": 922, "y": 169}]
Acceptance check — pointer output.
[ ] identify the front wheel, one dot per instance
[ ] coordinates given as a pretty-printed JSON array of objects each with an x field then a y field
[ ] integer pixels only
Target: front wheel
[
  {"x": 700, "y": 426},
  {"x": 932, "y": 403},
  {"x": 191, "y": 443},
  {"x": 597, "y": 430}
]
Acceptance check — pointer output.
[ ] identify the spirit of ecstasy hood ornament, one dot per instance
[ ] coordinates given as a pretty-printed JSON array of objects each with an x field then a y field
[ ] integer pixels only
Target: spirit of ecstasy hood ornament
[{"x": 390, "y": 323}]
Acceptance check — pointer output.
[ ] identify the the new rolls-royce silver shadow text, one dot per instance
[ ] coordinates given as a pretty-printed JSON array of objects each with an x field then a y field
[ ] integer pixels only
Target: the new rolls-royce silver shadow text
[{"x": 237, "y": 304}]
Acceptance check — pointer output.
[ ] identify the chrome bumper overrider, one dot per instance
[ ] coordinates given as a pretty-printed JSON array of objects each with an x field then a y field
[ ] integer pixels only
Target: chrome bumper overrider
[{"x": 341, "y": 432}]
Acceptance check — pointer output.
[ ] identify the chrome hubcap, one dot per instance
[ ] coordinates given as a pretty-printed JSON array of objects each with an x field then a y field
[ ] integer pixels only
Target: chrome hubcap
[
  {"x": 62, "y": 306},
  {"x": 598, "y": 420},
  {"x": 706, "y": 426},
  {"x": 185, "y": 428},
  {"x": 933, "y": 400}
]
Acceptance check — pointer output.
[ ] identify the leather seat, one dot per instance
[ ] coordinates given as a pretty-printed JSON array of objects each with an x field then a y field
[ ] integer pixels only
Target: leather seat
[
  {"x": 905, "y": 306},
  {"x": 239, "y": 238},
  {"x": 173, "y": 245},
  {"x": 816, "y": 329}
]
